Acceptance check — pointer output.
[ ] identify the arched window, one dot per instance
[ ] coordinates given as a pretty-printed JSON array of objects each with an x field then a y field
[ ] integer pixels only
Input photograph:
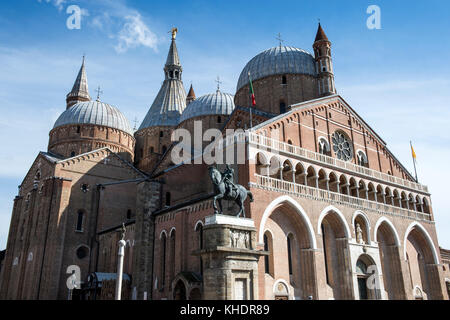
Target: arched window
[
  {"x": 128, "y": 214},
  {"x": 324, "y": 147},
  {"x": 282, "y": 107},
  {"x": 172, "y": 255},
  {"x": 362, "y": 159},
  {"x": 199, "y": 230},
  {"x": 289, "y": 248},
  {"x": 168, "y": 200},
  {"x": 80, "y": 219},
  {"x": 266, "y": 258},
  {"x": 163, "y": 260},
  {"x": 284, "y": 80}
]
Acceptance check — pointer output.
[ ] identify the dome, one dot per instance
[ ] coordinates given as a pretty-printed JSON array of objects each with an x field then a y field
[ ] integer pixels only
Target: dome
[
  {"x": 278, "y": 60},
  {"x": 218, "y": 103},
  {"x": 94, "y": 112}
]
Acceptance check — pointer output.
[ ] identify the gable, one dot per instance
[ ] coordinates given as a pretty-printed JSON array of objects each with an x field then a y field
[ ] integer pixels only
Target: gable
[
  {"x": 309, "y": 122},
  {"x": 102, "y": 163},
  {"x": 42, "y": 168}
]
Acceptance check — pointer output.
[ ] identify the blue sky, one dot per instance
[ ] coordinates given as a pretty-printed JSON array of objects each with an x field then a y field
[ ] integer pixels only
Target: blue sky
[{"x": 396, "y": 78}]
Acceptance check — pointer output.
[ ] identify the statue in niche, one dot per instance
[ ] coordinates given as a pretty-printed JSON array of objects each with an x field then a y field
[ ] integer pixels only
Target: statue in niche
[{"x": 359, "y": 234}]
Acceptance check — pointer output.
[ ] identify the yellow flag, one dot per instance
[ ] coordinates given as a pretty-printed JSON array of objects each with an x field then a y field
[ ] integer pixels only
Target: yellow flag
[{"x": 413, "y": 153}]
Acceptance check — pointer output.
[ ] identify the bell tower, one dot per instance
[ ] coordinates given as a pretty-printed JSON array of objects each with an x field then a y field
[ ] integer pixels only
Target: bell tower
[{"x": 324, "y": 64}]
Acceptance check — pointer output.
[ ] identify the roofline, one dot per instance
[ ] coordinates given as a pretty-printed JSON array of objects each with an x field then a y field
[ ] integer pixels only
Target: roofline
[
  {"x": 112, "y": 152},
  {"x": 312, "y": 103}
]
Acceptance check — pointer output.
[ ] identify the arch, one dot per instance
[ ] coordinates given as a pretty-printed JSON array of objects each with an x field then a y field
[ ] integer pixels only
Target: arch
[
  {"x": 361, "y": 214},
  {"x": 424, "y": 232},
  {"x": 391, "y": 226},
  {"x": 172, "y": 231},
  {"x": 285, "y": 285},
  {"x": 298, "y": 208},
  {"x": 197, "y": 223},
  {"x": 333, "y": 182},
  {"x": 179, "y": 290},
  {"x": 341, "y": 217},
  {"x": 163, "y": 232}
]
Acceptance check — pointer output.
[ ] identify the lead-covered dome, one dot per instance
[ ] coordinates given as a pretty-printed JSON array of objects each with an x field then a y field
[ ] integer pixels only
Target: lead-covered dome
[
  {"x": 217, "y": 103},
  {"x": 94, "y": 112},
  {"x": 278, "y": 60}
]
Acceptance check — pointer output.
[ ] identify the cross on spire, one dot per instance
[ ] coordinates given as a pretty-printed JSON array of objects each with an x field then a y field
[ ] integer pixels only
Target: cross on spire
[
  {"x": 218, "y": 83},
  {"x": 99, "y": 92},
  {"x": 279, "y": 39},
  {"x": 135, "y": 123}
]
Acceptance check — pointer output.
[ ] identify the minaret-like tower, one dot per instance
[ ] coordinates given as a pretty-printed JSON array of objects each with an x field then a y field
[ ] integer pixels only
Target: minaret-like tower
[
  {"x": 80, "y": 90},
  {"x": 153, "y": 138},
  {"x": 324, "y": 64},
  {"x": 190, "y": 96}
]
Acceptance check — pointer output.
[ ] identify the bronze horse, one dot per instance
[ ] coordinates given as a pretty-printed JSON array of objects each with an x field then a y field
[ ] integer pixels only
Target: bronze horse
[{"x": 224, "y": 189}]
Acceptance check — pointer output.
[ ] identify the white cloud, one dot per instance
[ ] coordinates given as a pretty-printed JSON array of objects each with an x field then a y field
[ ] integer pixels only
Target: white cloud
[{"x": 135, "y": 33}]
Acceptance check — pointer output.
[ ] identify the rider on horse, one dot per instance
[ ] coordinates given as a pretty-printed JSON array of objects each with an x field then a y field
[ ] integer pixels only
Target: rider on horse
[{"x": 228, "y": 178}]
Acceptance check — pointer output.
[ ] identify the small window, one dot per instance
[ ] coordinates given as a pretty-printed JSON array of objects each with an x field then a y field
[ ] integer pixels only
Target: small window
[
  {"x": 72, "y": 154},
  {"x": 362, "y": 159},
  {"x": 324, "y": 147},
  {"x": 266, "y": 258},
  {"x": 80, "y": 221},
  {"x": 164, "y": 149},
  {"x": 78, "y": 129},
  {"x": 161, "y": 134},
  {"x": 84, "y": 187},
  {"x": 284, "y": 80},
  {"x": 151, "y": 150},
  {"x": 168, "y": 200},
  {"x": 128, "y": 214},
  {"x": 219, "y": 119},
  {"x": 282, "y": 107},
  {"x": 82, "y": 252}
]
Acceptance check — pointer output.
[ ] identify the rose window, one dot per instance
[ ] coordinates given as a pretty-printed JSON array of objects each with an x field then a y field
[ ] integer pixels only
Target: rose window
[{"x": 342, "y": 146}]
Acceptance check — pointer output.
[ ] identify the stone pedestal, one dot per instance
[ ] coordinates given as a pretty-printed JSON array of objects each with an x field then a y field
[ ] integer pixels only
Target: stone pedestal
[{"x": 230, "y": 259}]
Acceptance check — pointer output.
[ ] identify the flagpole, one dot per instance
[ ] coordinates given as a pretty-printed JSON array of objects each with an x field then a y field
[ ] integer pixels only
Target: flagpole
[
  {"x": 414, "y": 160},
  {"x": 251, "y": 108}
]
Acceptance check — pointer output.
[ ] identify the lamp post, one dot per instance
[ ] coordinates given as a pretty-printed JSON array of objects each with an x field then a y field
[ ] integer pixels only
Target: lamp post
[{"x": 121, "y": 254}]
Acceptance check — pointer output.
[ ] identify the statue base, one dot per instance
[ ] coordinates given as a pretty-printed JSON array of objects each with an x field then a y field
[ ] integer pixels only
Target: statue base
[{"x": 230, "y": 259}]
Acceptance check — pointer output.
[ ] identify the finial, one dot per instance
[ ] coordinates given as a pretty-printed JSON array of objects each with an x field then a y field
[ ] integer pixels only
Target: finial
[
  {"x": 84, "y": 57},
  {"x": 218, "y": 83},
  {"x": 174, "y": 32},
  {"x": 99, "y": 92},
  {"x": 280, "y": 39}
]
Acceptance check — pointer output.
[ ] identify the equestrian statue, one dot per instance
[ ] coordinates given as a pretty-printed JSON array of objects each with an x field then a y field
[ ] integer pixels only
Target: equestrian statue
[{"x": 226, "y": 189}]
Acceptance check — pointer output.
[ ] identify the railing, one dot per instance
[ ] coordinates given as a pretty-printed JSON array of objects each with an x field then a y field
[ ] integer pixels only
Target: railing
[
  {"x": 266, "y": 142},
  {"x": 300, "y": 190}
]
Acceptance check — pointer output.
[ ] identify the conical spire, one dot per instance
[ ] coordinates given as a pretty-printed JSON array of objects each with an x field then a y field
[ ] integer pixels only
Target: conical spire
[
  {"x": 321, "y": 34},
  {"x": 170, "y": 102},
  {"x": 191, "y": 96},
  {"x": 80, "y": 90}
]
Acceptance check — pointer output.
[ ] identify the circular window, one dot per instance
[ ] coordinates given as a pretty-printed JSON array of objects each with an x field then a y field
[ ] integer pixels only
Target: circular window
[
  {"x": 342, "y": 146},
  {"x": 82, "y": 252}
]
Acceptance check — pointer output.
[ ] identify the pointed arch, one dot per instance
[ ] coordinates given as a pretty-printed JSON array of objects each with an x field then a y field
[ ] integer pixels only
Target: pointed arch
[
  {"x": 326, "y": 211},
  {"x": 425, "y": 233},
  {"x": 298, "y": 208},
  {"x": 391, "y": 226}
]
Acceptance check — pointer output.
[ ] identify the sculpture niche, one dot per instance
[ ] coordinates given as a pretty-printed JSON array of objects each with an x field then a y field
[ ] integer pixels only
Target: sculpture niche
[{"x": 225, "y": 189}]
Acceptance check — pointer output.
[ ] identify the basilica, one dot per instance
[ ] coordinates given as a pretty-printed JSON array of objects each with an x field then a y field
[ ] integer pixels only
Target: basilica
[{"x": 331, "y": 213}]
